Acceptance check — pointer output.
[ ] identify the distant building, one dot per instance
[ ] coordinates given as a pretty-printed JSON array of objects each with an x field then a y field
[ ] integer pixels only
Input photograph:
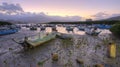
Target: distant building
[{"x": 88, "y": 19}]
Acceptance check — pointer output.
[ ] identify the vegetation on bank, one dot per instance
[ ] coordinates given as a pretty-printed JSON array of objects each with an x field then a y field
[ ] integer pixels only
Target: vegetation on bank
[
  {"x": 110, "y": 22},
  {"x": 116, "y": 29},
  {"x": 5, "y": 23}
]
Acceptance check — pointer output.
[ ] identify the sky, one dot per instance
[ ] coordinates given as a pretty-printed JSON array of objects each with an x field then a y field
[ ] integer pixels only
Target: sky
[{"x": 95, "y": 9}]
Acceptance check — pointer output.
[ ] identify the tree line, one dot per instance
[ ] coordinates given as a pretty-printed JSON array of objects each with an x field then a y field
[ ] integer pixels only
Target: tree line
[
  {"x": 4, "y": 23},
  {"x": 110, "y": 22}
]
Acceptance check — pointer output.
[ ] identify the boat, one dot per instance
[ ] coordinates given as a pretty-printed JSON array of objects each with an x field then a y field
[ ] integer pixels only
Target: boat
[
  {"x": 33, "y": 28},
  {"x": 54, "y": 29},
  {"x": 30, "y": 43},
  {"x": 42, "y": 28},
  {"x": 6, "y": 31},
  {"x": 112, "y": 50},
  {"x": 103, "y": 26},
  {"x": 81, "y": 28},
  {"x": 93, "y": 31},
  {"x": 69, "y": 29}
]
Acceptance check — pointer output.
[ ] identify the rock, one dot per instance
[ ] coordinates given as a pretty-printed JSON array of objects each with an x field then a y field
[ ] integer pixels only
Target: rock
[
  {"x": 10, "y": 49},
  {"x": 80, "y": 61},
  {"x": 98, "y": 65},
  {"x": 54, "y": 56}
]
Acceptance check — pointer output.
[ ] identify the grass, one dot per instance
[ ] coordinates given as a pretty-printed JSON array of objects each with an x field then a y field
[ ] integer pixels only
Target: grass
[
  {"x": 118, "y": 46},
  {"x": 40, "y": 63},
  {"x": 67, "y": 43},
  {"x": 97, "y": 47},
  {"x": 69, "y": 64}
]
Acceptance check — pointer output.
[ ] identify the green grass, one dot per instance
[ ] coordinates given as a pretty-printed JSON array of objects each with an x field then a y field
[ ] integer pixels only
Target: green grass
[
  {"x": 42, "y": 62},
  {"x": 97, "y": 47},
  {"x": 69, "y": 64},
  {"x": 67, "y": 42}
]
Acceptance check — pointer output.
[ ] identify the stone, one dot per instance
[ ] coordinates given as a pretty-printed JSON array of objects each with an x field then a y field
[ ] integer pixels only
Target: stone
[{"x": 54, "y": 56}]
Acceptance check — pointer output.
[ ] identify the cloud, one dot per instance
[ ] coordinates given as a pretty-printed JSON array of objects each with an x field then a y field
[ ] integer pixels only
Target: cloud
[
  {"x": 114, "y": 15},
  {"x": 16, "y": 13},
  {"x": 103, "y": 15},
  {"x": 100, "y": 15},
  {"x": 10, "y": 8}
]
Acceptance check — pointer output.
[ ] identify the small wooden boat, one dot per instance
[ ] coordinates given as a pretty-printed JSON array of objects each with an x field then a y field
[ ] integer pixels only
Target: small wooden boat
[
  {"x": 112, "y": 50},
  {"x": 28, "y": 43}
]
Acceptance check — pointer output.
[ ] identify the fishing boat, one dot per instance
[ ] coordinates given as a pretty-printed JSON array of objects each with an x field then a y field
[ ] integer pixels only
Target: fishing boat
[
  {"x": 112, "y": 50},
  {"x": 30, "y": 43},
  {"x": 6, "y": 31}
]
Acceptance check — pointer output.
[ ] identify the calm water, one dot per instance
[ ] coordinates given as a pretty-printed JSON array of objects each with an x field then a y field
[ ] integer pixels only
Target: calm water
[{"x": 82, "y": 46}]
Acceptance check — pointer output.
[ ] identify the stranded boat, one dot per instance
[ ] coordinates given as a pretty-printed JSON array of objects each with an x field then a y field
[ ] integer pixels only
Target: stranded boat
[
  {"x": 93, "y": 31},
  {"x": 103, "y": 26},
  {"x": 6, "y": 31},
  {"x": 81, "y": 28},
  {"x": 33, "y": 28},
  {"x": 29, "y": 43},
  {"x": 42, "y": 28},
  {"x": 69, "y": 29}
]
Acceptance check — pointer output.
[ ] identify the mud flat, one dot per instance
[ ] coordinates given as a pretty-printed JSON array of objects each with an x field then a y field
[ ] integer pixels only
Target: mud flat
[{"x": 89, "y": 50}]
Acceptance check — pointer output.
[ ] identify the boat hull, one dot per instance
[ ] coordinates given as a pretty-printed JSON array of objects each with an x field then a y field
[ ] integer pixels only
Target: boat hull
[
  {"x": 40, "y": 41},
  {"x": 9, "y": 31},
  {"x": 95, "y": 33}
]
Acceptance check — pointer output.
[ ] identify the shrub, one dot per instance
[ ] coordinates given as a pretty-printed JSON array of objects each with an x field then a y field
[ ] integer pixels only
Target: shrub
[{"x": 115, "y": 29}]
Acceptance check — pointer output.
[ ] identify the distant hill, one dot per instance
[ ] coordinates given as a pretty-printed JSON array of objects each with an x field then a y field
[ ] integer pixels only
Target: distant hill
[
  {"x": 114, "y": 18},
  {"x": 5, "y": 23}
]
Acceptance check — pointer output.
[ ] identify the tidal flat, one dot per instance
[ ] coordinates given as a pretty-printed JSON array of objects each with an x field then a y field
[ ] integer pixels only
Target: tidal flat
[{"x": 90, "y": 50}]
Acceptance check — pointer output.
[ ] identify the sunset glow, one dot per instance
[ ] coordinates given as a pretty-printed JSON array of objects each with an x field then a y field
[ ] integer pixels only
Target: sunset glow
[{"x": 82, "y": 8}]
